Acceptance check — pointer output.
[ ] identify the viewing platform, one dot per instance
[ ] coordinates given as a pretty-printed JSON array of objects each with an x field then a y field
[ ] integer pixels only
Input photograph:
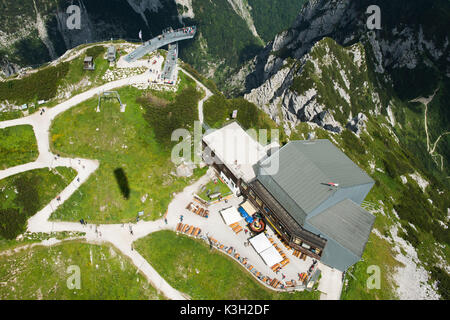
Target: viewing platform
[{"x": 167, "y": 37}]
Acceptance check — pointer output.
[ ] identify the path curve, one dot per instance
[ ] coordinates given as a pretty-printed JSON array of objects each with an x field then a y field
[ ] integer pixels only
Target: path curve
[{"x": 117, "y": 234}]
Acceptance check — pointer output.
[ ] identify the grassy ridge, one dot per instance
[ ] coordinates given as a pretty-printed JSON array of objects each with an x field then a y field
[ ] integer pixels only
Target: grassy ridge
[{"x": 218, "y": 110}]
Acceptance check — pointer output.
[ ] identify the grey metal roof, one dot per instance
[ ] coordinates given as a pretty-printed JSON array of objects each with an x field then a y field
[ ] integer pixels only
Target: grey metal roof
[
  {"x": 305, "y": 167},
  {"x": 346, "y": 223}
]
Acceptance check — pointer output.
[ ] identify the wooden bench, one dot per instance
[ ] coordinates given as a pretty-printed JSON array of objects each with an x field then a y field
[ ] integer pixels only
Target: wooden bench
[
  {"x": 275, "y": 283},
  {"x": 198, "y": 201},
  {"x": 275, "y": 267},
  {"x": 284, "y": 262}
]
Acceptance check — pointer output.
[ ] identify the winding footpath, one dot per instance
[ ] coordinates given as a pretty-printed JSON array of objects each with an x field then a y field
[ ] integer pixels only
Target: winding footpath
[
  {"x": 118, "y": 235},
  {"x": 431, "y": 147}
]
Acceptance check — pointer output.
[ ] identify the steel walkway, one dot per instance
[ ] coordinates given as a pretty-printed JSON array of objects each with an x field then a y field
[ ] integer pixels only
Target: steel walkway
[{"x": 162, "y": 40}]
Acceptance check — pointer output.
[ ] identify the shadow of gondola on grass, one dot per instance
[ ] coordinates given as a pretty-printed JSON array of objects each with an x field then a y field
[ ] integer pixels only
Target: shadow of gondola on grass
[{"x": 122, "y": 181}]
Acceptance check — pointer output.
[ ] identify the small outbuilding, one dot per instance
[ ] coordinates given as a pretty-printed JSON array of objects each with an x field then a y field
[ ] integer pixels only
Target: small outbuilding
[
  {"x": 111, "y": 55},
  {"x": 89, "y": 63}
]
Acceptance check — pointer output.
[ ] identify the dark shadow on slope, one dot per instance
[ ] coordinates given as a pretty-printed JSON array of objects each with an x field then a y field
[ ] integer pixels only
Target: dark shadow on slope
[{"x": 122, "y": 181}]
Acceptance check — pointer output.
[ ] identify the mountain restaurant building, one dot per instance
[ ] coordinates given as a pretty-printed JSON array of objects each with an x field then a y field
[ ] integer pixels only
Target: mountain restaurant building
[{"x": 309, "y": 192}]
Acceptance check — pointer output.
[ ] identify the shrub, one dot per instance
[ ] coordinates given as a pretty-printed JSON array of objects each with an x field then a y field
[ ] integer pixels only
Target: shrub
[
  {"x": 179, "y": 114},
  {"x": 96, "y": 51},
  {"x": 12, "y": 223},
  {"x": 42, "y": 85}
]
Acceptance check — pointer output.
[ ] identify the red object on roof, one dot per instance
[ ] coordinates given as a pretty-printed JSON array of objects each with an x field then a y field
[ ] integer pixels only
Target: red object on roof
[{"x": 333, "y": 184}]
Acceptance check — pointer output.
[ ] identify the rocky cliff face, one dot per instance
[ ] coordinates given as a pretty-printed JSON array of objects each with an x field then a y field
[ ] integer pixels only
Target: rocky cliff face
[
  {"x": 33, "y": 32},
  {"x": 301, "y": 77},
  {"x": 328, "y": 86}
]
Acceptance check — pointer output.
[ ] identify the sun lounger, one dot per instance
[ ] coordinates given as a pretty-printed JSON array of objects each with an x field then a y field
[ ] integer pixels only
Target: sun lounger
[
  {"x": 189, "y": 206},
  {"x": 179, "y": 226},
  {"x": 304, "y": 257},
  {"x": 238, "y": 229},
  {"x": 185, "y": 228},
  {"x": 233, "y": 225}
]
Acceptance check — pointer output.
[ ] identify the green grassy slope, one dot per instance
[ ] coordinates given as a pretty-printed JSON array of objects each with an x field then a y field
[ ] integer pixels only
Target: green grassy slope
[
  {"x": 18, "y": 145},
  {"x": 126, "y": 142},
  {"x": 104, "y": 274},
  {"x": 26, "y": 193}
]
